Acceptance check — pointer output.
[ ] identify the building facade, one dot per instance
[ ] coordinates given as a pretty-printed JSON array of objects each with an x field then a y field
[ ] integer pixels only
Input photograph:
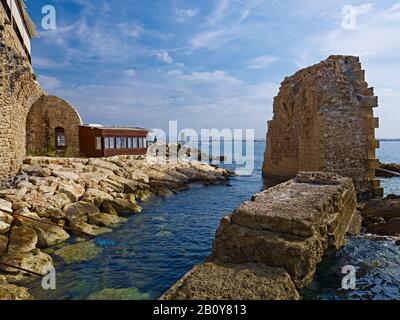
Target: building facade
[
  {"x": 98, "y": 141},
  {"x": 52, "y": 125}
]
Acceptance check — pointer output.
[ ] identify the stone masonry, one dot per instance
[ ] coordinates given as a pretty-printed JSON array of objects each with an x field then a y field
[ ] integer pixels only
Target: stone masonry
[
  {"x": 272, "y": 244},
  {"x": 18, "y": 91},
  {"x": 323, "y": 121},
  {"x": 47, "y": 114}
]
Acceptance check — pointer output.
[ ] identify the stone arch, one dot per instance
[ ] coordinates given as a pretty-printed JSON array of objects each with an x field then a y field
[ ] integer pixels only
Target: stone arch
[{"x": 48, "y": 114}]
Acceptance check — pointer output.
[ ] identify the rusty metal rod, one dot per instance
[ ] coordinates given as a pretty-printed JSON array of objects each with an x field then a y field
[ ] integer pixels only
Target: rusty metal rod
[
  {"x": 22, "y": 269},
  {"x": 54, "y": 224}
]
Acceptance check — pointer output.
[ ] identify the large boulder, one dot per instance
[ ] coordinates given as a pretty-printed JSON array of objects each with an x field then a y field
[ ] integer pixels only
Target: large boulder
[
  {"x": 5, "y": 206},
  {"x": 81, "y": 227},
  {"x": 73, "y": 190},
  {"x": 35, "y": 260},
  {"x": 65, "y": 175},
  {"x": 382, "y": 216},
  {"x": 38, "y": 201},
  {"x": 4, "y": 227},
  {"x": 80, "y": 210},
  {"x": 95, "y": 196},
  {"x": 6, "y": 218},
  {"x": 13, "y": 292},
  {"x": 57, "y": 201},
  {"x": 22, "y": 239},
  {"x": 212, "y": 281},
  {"x": 106, "y": 220},
  {"x": 121, "y": 206},
  {"x": 48, "y": 233}
]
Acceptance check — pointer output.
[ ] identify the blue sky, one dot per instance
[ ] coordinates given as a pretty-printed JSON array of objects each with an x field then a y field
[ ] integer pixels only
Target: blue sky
[{"x": 206, "y": 64}]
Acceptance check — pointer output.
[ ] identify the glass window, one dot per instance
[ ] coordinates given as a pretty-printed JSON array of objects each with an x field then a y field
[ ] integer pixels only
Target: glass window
[
  {"x": 123, "y": 143},
  {"x": 118, "y": 143},
  {"x": 106, "y": 143},
  {"x": 135, "y": 143},
  {"x": 98, "y": 143},
  {"x": 60, "y": 137},
  {"x": 112, "y": 142},
  {"x": 130, "y": 143}
]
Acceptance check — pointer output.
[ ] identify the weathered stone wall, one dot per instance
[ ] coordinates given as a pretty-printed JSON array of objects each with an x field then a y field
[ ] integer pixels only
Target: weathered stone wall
[
  {"x": 284, "y": 231},
  {"x": 18, "y": 91},
  {"x": 323, "y": 121},
  {"x": 44, "y": 117}
]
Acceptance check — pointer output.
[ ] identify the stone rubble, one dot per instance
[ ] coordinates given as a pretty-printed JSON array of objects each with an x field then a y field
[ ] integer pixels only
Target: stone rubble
[{"x": 91, "y": 196}]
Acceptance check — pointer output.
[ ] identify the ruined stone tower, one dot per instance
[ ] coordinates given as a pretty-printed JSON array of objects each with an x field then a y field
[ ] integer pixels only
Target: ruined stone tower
[{"x": 323, "y": 121}]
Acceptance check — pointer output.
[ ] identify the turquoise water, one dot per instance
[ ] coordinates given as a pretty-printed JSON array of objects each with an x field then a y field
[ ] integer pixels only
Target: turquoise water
[{"x": 156, "y": 248}]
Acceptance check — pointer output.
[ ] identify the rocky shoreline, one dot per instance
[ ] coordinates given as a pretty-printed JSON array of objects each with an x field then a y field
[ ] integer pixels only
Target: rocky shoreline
[{"x": 53, "y": 198}]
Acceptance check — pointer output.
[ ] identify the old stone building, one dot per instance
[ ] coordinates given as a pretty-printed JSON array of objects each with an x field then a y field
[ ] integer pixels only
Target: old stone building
[
  {"x": 323, "y": 121},
  {"x": 52, "y": 124},
  {"x": 18, "y": 87}
]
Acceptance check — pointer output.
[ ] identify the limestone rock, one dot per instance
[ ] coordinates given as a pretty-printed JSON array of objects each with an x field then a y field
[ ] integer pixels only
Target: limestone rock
[
  {"x": 4, "y": 227},
  {"x": 6, "y": 218},
  {"x": 106, "y": 220},
  {"x": 37, "y": 201},
  {"x": 86, "y": 228},
  {"x": 382, "y": 216},
  {"x": 22, "y": 239},
  {"x": 6, "y": 206},
  {"x": 212, "y": 281},
  {"x": 66, "y": 175},
  {"x": 34, "y": 260},
  {"x": 54, "y": 215},
  {"x": 80, "y": 210},
  {"x": 73, "y": 190},
  {"x": 95, "y": 196},
  {"x": 291, "y": 226},
  {"x": 81, "y": 251},
  {"x": 13, "y": 292},
  {"x": 47, "y": 233},
  {"x": 57, "y": 201},
  {"x": 122, "y": 206}
]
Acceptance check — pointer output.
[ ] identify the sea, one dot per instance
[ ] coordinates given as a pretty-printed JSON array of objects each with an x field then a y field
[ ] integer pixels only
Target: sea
[{"x": 148, "y": 254}]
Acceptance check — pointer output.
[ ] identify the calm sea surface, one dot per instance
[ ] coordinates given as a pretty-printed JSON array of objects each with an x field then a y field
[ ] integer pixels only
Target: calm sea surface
[{"x": 154, "y": 249}]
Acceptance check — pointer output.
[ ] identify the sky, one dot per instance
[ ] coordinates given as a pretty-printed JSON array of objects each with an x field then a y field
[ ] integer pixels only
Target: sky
[{"x": 209, "y": 63}]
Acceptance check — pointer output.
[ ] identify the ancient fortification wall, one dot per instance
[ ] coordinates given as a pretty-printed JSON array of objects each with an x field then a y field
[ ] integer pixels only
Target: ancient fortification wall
[
  {"x": 18, "y": 91},
  {"x": 323, "y": 121},
  {"x": 47, "y": 114},
  {"x": 271, "y": 245}
]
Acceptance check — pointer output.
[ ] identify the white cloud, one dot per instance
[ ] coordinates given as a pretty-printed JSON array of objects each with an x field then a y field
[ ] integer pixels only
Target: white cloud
[
  {"x": 209, "y": 39},
  {"x": 219, "y": 13},
  {"x": 164, "y": 56},
  {"x": 130, "y": 72},
  {"x": 48, "y": 83},
  {"x": 215, "y": 76},
  {"x": 261, "y": 62}
]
